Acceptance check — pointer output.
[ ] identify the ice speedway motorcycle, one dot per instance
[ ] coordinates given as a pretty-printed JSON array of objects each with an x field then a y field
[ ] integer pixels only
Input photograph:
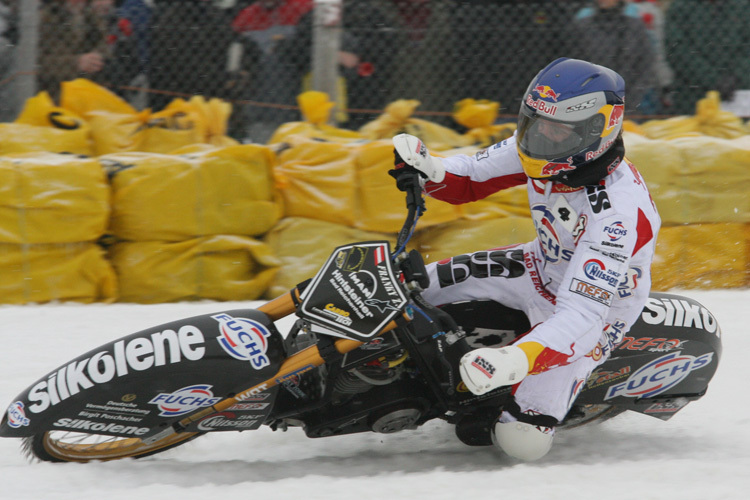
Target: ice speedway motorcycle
[{"x": 365, "y": 353}]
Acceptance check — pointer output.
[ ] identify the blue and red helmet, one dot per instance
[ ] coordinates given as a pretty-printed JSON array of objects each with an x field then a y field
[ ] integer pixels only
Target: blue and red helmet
[{"x": 570, "y": 123}]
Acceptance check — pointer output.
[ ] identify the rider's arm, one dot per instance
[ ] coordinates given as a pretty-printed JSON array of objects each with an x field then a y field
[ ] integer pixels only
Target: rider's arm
[{"x": 462, "y": 178}]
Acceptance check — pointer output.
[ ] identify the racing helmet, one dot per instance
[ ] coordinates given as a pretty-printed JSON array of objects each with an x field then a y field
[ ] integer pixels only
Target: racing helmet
[{"x": 570, "y": 123}]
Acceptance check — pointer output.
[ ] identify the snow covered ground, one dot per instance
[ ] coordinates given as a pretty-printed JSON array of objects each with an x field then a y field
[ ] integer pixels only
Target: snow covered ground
[{"x": 702, "y": 453}]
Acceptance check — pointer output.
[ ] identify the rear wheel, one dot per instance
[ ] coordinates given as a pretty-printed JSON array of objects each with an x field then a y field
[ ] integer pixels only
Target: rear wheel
[{"x": 64, "y": 446}]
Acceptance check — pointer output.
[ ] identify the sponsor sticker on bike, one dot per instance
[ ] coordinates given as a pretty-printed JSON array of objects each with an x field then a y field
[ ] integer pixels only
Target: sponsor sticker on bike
[
  {"x": 659, "y": 375},
  {"x": 17, "y": 415},
  {"x": 184, "y": 400},
  {"x": 244, "y": 339},
  {"x": 679, "y": 312}
]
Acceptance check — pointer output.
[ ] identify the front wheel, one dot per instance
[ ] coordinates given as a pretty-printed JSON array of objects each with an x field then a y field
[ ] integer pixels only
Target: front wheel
[{"x": 64, "y": 446}]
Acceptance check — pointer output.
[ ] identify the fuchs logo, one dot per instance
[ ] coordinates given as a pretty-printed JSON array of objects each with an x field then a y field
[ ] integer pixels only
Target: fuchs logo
[
  {"x": 556, "y": 168},
  {"x": 184, "y": 400},
  {"x": 659, "y": 375},
  {"x": 615, "y": 231},
  {"x": 483, "y": 366},
  {"x": 17, "y": 415},
  {"x": 244, "y": 339},
  {"x": 549, "y": 240}
]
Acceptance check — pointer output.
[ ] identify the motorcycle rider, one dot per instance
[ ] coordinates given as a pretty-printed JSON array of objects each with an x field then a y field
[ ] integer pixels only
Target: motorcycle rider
[{"x": 585, "y": 278}]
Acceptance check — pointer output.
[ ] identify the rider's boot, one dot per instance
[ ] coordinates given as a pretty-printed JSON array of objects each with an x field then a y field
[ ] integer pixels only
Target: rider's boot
[{"x": 488, "y": 368}]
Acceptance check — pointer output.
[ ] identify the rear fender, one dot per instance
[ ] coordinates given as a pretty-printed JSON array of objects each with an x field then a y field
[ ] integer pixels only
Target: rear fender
[
  {"x": 666, "y": 360},
  {"x": 140, "y": 384}
]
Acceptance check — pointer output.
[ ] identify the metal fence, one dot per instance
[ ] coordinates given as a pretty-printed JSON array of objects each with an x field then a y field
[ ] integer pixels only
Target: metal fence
[{"x": 260, "y": 55}]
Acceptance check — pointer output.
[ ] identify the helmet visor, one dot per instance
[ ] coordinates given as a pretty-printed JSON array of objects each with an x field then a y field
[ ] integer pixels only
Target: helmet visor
[{"x": 542, "y": 138}]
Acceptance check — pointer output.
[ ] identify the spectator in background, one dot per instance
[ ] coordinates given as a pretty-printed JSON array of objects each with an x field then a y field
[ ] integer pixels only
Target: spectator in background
[
  {"x": 608, "y": 35},
  {"x": 270, "y": 24},
  {"x": 194, "y": 51},
  {"x": 707, "y": 46},
  {"x": 8, "y": 41},
  {"x": 651, "y": 13},
  {"x": 71, "y": 44},
  {"x": 369, "y": 41}
]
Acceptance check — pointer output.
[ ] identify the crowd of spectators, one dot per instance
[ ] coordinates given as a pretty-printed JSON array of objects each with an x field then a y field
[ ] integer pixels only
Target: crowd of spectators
[{"x": 257, "y": 53}]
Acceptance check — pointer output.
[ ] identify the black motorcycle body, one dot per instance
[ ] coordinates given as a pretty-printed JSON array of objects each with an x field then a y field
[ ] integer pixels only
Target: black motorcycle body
[{"x": 366, "y": 353}]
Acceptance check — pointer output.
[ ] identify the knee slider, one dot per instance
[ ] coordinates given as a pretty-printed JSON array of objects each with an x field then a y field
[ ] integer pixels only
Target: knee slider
[{"x": 522, "y": 440}]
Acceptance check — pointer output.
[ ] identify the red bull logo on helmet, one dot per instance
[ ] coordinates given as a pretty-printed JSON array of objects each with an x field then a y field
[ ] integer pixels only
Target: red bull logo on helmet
[
  {"x": 555, "y": 168},
  {"x": 546, "y": 92}
]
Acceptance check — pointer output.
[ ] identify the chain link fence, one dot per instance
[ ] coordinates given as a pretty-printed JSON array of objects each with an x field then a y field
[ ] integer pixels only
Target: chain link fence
[{"x": 260, "y": 55}]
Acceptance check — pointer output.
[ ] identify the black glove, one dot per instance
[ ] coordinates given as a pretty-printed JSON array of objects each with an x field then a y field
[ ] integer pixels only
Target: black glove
[{"x": 406, "y": 176}]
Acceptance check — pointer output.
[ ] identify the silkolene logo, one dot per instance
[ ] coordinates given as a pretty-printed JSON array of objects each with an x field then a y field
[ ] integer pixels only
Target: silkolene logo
[
  {"x": 244, "y": 339},
  {"x": 138, "y": 354},
  {"x": 184, "y": 400}
]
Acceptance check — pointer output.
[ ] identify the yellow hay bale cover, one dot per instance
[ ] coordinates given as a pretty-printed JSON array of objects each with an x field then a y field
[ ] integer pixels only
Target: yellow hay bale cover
[
  {"x": 173, "y": 198},
  {"x": 215, "y": 268},
  {"x": 479, "y": 117},
  {"x": 316, "y": 110},
  {"x": 64, "y": 272},
  {"x": 381, "y": 206},
  {"x": 695, "y": 179},
  {"x": 397, "y": 118},
  {"x": 466, "y": 236},
  {"x": 303, "y": 245},
  {"x": 702, "y": 256},
  {"x": 507, "y": 203},
  {"x": 317, "y": 180},
  {"x": 52, "y": 198},
  {"x": 43, "y": 126},
  {"x": 709, "y": 119}
]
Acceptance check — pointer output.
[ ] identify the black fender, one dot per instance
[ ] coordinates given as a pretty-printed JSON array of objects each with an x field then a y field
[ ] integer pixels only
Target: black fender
[
  {"x": 139, "y": 384},
  {"x": 666, "y": 359}
]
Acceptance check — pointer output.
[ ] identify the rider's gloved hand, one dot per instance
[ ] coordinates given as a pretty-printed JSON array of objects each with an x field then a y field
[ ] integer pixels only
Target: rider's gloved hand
[
  {"x": 411, "y": 156},
  {"x": 487, "y": 368}
]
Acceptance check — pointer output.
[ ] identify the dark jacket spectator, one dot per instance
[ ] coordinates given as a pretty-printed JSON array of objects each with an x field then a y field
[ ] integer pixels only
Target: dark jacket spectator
[
  {"x": 609, "y": 37},
  {"x": 270, "y": 24},
  {"x": 71, "y": 44},
  {"x": 707, "y": 47},
  {"x": 192, "y": 52},
  {"x": 368, "y": 44}
]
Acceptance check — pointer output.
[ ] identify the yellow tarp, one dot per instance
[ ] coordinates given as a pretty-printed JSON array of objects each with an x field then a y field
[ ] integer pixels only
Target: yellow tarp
[
  {"x": 52, "y": 198},
  {"x": 208, "y": 192},
  {"x": 709, "y": 119},
  {"x": 64, "y": 272},
  {"x": 695, "y": 179},
  {"x": 43, "y": 126},
  {"x": 303, "y": 245},
  {"x": 460, "y": 237},
  {"x": 382, "y": 207},
  {"x": 215, "y": 268},
  {"x": 702, "y": 256}
]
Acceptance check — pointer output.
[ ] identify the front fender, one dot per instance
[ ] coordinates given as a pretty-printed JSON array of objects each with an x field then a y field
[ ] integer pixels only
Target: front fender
[{"x": 139, "y": 384}]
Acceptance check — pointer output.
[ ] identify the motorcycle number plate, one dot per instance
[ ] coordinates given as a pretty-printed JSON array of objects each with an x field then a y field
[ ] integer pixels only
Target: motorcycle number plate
[{"x": 356, "y": 293}]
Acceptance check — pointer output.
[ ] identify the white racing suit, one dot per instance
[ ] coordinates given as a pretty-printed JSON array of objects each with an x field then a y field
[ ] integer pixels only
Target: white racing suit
[{"x": 582, "y": 282}]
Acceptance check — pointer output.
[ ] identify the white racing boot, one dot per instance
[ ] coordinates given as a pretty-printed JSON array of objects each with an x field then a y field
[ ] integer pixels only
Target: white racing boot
[{"x": 485, "y": 369}]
